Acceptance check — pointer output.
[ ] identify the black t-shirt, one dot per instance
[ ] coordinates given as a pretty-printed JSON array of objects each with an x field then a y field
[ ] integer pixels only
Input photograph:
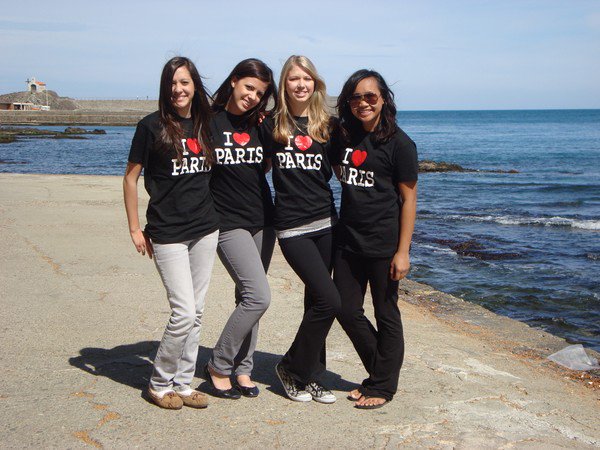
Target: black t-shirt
[
  {"x": 180, "y": 207},
  {"x": 301, "y": 173},
  {"x": 239, "y": 188},
  {"x": 370, "y": 204}
]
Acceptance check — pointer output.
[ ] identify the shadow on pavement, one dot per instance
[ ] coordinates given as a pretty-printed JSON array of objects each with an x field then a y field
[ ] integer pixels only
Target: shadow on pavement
[{"x": 131, "y": 365}]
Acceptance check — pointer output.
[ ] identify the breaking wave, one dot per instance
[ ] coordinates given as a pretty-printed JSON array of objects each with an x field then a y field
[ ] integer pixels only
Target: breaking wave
[{"x": 583, "y": 224}]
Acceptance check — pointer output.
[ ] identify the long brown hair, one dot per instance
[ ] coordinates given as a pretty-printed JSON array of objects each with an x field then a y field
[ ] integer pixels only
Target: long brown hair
[
  {"x": 252, "y": 68},
  {"x": 171, "y": 132}
]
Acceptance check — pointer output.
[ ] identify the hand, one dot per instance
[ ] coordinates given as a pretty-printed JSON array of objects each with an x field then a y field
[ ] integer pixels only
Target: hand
[
  {"x": 142, "y": 243},
  {"x": 399, "y": 266}
]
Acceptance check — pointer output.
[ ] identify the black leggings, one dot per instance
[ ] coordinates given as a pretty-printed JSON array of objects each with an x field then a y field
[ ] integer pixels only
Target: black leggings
[
  {"x": 381, "y": 351},
  {"x": 311, "y": 258}
]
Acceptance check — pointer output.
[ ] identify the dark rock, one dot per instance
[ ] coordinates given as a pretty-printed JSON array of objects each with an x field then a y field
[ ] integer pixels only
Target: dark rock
[
  {"x": 10, "y": 134},
  {"x": 6, "y": 139},
  {"x": 475, "y": 249},
  {"x": 74, "y": 130},
  {"x": 441, "y": 166},
  {"x": 77, "y": 130},
  {"x": 17, "y": 131}
]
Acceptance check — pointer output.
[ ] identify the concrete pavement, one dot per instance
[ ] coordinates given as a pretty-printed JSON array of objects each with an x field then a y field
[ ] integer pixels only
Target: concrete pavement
[{"x": 82, "y": 314}]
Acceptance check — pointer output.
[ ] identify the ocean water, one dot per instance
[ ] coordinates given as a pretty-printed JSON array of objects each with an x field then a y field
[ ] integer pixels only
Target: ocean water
[{"x": 526, "y": 244}]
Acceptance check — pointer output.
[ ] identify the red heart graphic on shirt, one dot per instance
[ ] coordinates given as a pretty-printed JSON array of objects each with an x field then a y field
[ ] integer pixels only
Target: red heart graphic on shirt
[
  {"x": 241, "y": 138},
  {"x": 303, "y": 142},
  {"x": 358, "y": 157},
  {"x": 193, "y": 145}
]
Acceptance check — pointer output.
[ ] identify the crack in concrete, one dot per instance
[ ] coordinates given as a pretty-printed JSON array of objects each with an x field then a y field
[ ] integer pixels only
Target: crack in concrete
[
  {"x": 84, "y": 435},
  {"x": 530, "y": 419},
  {"x": 500, "y": 398},
  {"x": 512, "y": 444},
  {"x": 407, "y": 434},
  {"x": 47, "y": 259},
  {"x": 86, "y": 439}
]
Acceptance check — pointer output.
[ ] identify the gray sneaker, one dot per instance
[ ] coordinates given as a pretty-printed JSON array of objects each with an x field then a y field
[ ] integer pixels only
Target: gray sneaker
[
  {"x": 293, "y": 389},
  {"x": 319, "y": 393}
]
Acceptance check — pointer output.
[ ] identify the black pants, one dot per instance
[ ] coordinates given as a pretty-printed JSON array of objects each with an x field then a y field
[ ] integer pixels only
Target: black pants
[
  {"x": 311, "y": 258},
  {"x": 381, "y": 351}
]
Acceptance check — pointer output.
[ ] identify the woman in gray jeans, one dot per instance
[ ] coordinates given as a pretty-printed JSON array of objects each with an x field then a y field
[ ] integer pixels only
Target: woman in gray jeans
[
  {"x": 243, "y": 203},
  {"x": 181, "y": 233}
]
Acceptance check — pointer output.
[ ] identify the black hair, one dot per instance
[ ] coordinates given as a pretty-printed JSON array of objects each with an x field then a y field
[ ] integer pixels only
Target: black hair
[{"x": 350, "y": 125}]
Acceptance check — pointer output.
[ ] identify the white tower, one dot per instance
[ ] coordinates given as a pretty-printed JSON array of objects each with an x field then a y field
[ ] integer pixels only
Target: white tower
[{"x": 34, "y": 85}]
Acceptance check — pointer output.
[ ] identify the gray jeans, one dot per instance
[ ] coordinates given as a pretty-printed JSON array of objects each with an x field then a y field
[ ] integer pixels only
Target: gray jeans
[
  {"x": 185, "y": 269},
  {"x": 246, "y": 257}
]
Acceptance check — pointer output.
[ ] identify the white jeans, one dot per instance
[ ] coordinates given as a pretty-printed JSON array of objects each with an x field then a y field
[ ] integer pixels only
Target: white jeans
[{"x": 185, "y": 269}]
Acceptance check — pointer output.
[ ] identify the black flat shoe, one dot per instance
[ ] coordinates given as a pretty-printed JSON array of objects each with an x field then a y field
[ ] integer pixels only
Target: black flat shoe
[
  {"x": 232, "y": 393},
  {"x": 247, "y": 391}
]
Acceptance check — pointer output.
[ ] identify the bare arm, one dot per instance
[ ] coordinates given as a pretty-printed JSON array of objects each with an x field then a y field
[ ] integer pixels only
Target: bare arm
[
  {"x": 130, "y": 196},
  {"x": 401, "y": 262}
]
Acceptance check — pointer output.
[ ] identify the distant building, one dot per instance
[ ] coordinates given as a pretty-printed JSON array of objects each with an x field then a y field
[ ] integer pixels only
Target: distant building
[
  {"x": 34, "y": 85},
  {"x": 21, "y": 106}
]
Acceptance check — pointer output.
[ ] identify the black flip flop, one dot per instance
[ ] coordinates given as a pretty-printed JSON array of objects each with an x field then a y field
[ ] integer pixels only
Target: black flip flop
[
  {"x": 385, "y": 402},
  {"x": 354, "y": 399}
]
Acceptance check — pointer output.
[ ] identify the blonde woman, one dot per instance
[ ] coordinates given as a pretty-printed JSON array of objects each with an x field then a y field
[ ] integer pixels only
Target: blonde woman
[{"x": 297, "y": 139}]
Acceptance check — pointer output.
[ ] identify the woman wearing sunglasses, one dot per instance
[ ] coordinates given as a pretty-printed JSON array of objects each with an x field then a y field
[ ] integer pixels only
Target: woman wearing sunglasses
[
  {"x": 378, "y": 173},
  {"x": 243, "y": 202},
  {"x": 298, "y": 137},
  {"x": 172, "y": 146}
]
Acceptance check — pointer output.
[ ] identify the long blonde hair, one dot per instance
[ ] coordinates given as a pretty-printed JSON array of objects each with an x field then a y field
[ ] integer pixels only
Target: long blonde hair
[{"x": 318, "y": 117}]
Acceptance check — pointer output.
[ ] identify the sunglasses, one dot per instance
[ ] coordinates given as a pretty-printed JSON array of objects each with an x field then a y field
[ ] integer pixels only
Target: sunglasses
[{"x": 369, "y": 97}]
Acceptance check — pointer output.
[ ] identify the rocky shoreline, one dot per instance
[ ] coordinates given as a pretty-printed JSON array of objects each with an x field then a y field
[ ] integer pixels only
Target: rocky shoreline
[{"x": 12, "y": 134}]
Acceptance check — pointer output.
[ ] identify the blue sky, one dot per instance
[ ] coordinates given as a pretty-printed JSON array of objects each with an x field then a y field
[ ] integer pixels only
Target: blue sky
[{"x": 461, "y": 54}]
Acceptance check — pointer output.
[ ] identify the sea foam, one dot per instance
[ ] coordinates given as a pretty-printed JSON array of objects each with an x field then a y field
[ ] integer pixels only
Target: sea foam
[{"x": 584, "y": 224}]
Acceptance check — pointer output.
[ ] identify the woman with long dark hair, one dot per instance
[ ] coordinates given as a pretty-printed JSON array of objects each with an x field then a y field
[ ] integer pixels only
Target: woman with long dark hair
[
  {"x": 299, "y": 143},
  {"x": 172, "y": 146},
  {"x": 243, "y": 202},
  {"x": 378, "y": 172}
]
